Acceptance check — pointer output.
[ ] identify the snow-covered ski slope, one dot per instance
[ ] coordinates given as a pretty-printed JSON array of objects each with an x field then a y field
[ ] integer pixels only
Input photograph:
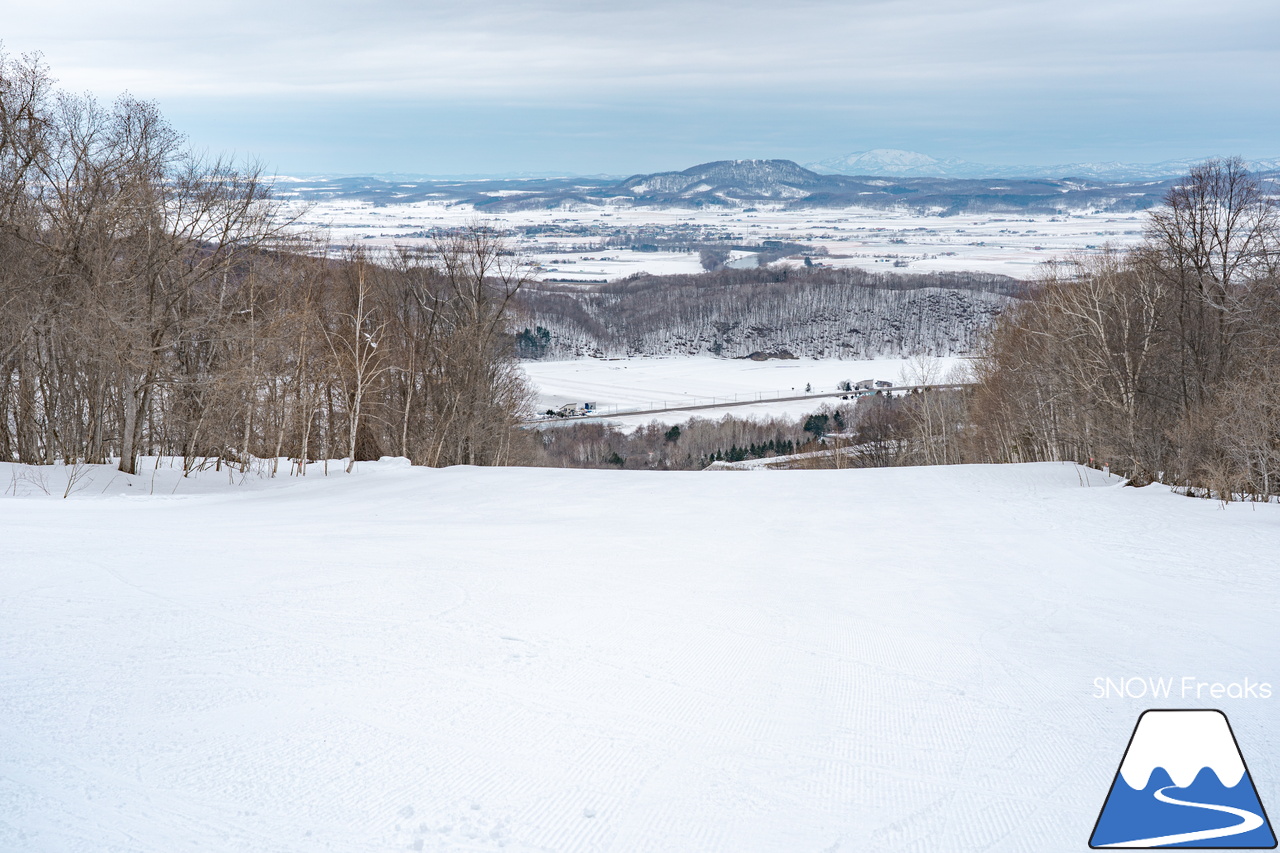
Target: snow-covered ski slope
[{"x": 554, "y": 660}]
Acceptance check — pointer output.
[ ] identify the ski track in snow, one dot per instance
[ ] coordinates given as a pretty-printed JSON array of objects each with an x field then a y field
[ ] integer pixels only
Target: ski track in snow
[{"x": 551, "y": 660}]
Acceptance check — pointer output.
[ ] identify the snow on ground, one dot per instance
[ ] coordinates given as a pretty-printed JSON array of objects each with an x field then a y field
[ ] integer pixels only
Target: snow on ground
[
  {"x": 558, "y": 660},
  {"x": 877, "y": 240},
  {"x": 651, "y": 383}
]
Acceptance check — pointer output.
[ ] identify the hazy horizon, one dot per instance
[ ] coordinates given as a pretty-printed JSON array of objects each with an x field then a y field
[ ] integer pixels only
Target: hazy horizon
[
  {"x": 410, "y": 174},
  {"x": 579, "y": 88}
]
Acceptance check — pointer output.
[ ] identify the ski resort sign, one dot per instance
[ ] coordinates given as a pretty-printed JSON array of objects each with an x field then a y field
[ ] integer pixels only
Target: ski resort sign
[{"x": 1183, "y": 783}]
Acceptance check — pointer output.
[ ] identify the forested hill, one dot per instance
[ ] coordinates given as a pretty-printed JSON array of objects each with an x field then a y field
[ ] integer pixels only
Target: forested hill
[{"x": 832, "y": 313}]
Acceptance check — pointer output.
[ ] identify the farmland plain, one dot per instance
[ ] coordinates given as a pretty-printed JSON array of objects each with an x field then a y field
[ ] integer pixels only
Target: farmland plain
[{"x": 594, "y": 243}]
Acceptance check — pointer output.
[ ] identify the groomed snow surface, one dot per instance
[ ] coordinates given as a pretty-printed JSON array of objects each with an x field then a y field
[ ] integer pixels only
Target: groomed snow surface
[{"x": 559, "y": 660}]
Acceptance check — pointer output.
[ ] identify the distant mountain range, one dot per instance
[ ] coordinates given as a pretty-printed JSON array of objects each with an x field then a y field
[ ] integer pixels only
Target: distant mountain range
[
  {"x": 773, "y": 183},
  {"x": 893, "y": 162},
  {"x": 745, "y": 183},
  {"x": 876, "y": 163}
]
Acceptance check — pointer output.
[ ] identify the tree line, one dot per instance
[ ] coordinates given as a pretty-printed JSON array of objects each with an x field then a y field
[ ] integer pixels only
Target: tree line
[
  {"x": 690, "y": 446},
  {"x": 1162, "y": 362},
  {"x": 157, "y": 302}
]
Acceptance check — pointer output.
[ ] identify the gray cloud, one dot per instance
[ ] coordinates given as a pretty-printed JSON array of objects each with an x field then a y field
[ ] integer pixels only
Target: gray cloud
[{"x": 940, "y": 66}]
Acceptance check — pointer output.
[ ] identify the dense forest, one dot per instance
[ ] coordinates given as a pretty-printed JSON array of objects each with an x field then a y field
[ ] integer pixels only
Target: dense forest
[{"x": 819, "y": 311}]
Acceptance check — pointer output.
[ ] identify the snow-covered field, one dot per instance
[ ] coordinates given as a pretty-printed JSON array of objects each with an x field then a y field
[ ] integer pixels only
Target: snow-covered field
[
  {"x": 870, "y": 239},
  {"x": 652, "y": 383},
  {"x": 556, "y": 660}
]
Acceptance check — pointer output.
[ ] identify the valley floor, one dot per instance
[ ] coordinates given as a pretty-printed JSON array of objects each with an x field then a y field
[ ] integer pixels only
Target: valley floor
[
  {"x": 876, "y": 240},
  {"x": 652, "y": 383},
  {"x": 574, "y": 660}
]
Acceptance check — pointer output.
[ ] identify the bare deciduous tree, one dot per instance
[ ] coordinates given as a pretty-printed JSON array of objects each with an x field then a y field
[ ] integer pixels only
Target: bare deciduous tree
[
  {"x": 154, "y": 304},
  {"x": 1159, "y": 361}
]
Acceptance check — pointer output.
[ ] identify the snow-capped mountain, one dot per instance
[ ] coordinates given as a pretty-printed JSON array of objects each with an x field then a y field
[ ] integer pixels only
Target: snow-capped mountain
[{"x": 896, "y": 162}]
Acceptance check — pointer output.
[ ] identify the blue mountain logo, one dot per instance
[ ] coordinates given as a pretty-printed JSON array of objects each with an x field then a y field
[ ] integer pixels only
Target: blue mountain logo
[{"x": 1183, "y": 783}]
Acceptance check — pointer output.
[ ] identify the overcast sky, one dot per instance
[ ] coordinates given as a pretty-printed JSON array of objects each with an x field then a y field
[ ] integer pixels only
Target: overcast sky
[{"x": 590, "y": 86}]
